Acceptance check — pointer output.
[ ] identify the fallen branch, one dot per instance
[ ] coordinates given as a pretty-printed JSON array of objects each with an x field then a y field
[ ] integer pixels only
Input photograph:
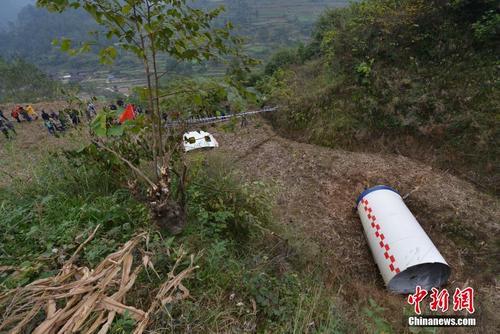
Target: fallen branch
[
  {"x": 82, "y": 300},
  {"x": 89, "y": 238}
]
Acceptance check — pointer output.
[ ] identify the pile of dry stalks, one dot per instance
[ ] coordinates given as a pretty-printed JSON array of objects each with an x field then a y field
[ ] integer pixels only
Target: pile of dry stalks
[{"x": 81, "y": 300}]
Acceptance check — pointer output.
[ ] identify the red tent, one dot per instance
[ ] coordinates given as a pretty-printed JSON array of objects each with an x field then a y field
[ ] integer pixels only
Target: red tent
[{"x": 129, "y": 113}]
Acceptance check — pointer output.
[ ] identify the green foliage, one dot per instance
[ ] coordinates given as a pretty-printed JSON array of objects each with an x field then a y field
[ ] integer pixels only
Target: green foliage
[
  {"x": 385, "y": 70},
  {"x": 488, "y": 27},
  {"x": 106, "y": 125},
  {"x": 21, "y": 81},
  {"x": 225, "y": 207},
  {"x": 275, "y": 297},
  {"x": 364, "y": 69},
  {"x": 123, "y": 324},
  {"x": 377, "y": 322},
  {"x": 281, "y": 59},
  {"x": 241, "y": 274},
  {"x": 189, "y": 98},
  {"x": 66, "y": 200},
  {"x": 244, "y": 273},
  {"x": 149, "y": 29},
  {"x": 286, "y": 57},
  {"x": 173, "y": 27}
]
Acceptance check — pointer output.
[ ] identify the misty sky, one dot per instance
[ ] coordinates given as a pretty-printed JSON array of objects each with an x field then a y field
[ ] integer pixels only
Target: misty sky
[{"x": 10, "y": 8}]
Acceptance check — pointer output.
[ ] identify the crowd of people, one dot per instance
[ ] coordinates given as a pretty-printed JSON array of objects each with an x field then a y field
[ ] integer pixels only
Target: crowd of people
[
  {"x": 55, "y": 122},
  {"x": 18, "y": 114},
  {"x": 59, "y": 122}
]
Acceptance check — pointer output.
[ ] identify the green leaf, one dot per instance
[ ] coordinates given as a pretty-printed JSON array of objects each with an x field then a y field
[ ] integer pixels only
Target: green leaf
[
  {"x": 126, "y": 9},
  {"x": 108, "y": 55},
  {"x": 65, "y": 44},
  {"x": 99, "y": 124},
  {"x": 116, "y": 131},
  {"x": 197, "y": 99}
]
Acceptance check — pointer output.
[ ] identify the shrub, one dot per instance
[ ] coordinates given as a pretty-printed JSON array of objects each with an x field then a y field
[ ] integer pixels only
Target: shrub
[
  {"x": 222, "y": 206},
  {"x": 241, "y": 284},
  {"x": 63, "y": 204},
  {"x": 392, "y": 69}
]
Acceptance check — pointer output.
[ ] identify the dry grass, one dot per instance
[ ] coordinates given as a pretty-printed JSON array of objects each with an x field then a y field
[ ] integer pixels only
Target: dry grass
[
  {"x": 19, "y": 157},
  {"x": 318, "y": 188},
  {"x": 82, "y": 300}
]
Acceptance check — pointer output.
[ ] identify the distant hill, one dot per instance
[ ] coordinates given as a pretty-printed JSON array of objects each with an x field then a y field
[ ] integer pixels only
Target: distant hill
[
  {"x": 267, "y": 25},
  {"x": 9, "y": 10}
]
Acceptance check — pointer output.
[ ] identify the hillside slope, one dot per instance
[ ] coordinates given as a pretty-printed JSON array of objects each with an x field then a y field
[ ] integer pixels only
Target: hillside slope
[
  {"x": 418, "y": 78},
  {"x": 316, "y": 188}
]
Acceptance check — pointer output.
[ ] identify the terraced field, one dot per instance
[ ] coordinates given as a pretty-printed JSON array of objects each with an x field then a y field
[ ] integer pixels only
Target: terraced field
[{"x": 266, "y": 26}]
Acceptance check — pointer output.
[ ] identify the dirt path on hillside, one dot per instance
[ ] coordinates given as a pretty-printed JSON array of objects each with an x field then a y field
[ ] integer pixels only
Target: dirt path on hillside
[{"x": 317, "y": 192}]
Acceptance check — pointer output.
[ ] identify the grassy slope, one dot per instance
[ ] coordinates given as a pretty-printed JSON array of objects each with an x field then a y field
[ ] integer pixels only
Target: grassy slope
[
  {"x": 316, "y": 192},
  {"x": 246, "y": 282},
  {"x": 292, "y": 283},
  {"x": 417, "y": 78}
]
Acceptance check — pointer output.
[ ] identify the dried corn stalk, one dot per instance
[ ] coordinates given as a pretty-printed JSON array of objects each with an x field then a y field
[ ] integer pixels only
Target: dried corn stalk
[{"x": 86, "y": 301}]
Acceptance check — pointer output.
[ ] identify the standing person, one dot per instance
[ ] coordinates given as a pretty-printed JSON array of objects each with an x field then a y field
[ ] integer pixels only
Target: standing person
[
  {"x": 25, "y": 114},
  {"x": 45, "y": 116},
  {"x": 2, "y": 115},
  {"x": 54, "y": 118},
  {"x": 4, "y": 129},
  {"x": 8, "y": 123},
  {"x": 48, "y": 123},
  {"x": 15, "y": 114},
  {"x": 91, "y": 112},
  {"x": 31, "y": 112},
  {"x": 120, "y": 107},
  {"x": 75, "y": 118},
  {"x": 63, "y": 121}
]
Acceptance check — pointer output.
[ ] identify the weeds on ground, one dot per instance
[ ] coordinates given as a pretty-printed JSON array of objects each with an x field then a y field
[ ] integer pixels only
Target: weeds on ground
[
  {"x": 375, "y": 320},
  {"x": 246, "y": 281},
  {"x": 370, "y": 82},
  {"x": 249, "y": 279},
  {"x": 43, "y": 221}
]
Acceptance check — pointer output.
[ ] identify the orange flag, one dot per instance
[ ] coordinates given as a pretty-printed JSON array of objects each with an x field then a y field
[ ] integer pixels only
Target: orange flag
[{"x": 127, "y": 114}]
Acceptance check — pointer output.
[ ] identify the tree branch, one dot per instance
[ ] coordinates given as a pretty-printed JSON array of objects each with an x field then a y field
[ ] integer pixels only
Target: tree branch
[{"x": 134, "y": 168}]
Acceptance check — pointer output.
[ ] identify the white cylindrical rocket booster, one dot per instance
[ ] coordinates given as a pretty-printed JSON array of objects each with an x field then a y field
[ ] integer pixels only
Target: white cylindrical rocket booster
[{"x": 405, "y": 255}]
